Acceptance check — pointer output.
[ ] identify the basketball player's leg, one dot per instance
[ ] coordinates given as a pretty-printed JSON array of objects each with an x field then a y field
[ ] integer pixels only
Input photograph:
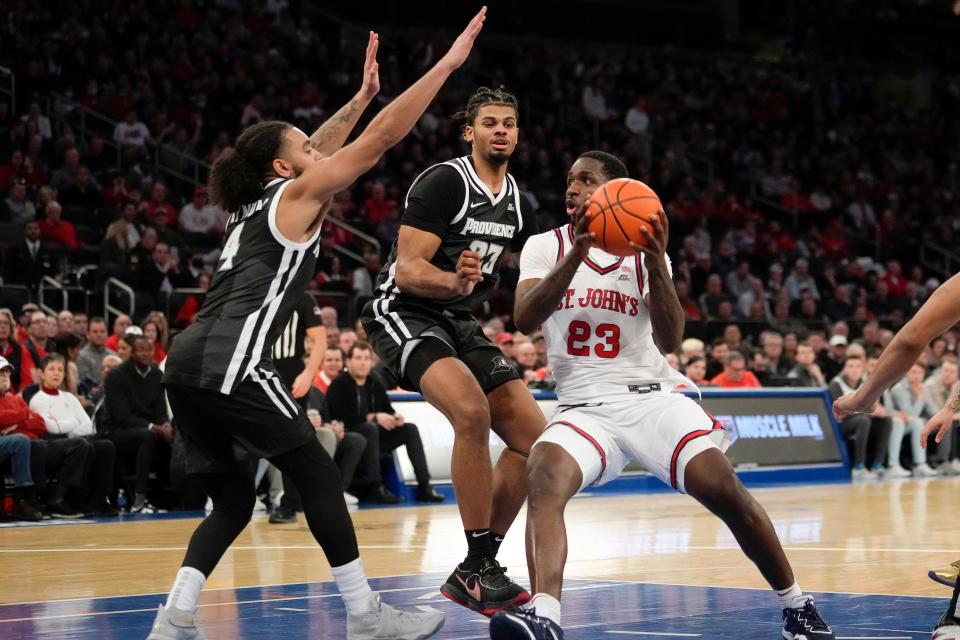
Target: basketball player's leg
[{"x": 516, "y": 418}]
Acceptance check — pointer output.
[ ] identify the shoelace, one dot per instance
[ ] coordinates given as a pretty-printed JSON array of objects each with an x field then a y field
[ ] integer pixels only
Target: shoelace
[
  {"x": 494, "y": 574},
  {"x": 809, "y": 614}
]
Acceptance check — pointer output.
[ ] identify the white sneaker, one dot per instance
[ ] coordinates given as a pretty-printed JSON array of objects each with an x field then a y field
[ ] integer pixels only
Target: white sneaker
[
  {"x": 923, "y": 470},
  {"x": 175, "y": 624},
  {"x": 955, "y": 467},
  {"x": 350, "y": 499},
  {"x": 896, "y": 471},
  {"x": 863, "y": 475},
  {"x": 385, "y": 622}
]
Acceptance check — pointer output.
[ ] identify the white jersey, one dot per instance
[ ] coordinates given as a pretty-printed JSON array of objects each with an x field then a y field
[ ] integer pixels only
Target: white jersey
[{"x": 599, "y": 339}]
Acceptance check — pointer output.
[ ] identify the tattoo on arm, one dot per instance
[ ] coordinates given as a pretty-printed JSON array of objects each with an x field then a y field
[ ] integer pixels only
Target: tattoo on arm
[
  {"x": 956, "y": 401},
  {"x": 337, "y": 127}
]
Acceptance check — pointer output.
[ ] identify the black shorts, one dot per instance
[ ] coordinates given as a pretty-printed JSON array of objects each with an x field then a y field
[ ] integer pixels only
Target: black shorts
[
  {"x": 230, "y": 433},
  {"x": 409, "y": 338}
]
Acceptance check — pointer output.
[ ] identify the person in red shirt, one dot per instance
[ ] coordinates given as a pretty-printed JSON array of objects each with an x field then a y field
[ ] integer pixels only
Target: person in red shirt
[
  {"x": 735, "y": 374},
  {"x": 67, "y": 455},
  {"x": 330, "y": 369},
  {"x": 158, "y": 205},
  {"x": 33, "y": 350},
  {"x": 119, "y": 329},
  {"x": 55, "y": 230}
]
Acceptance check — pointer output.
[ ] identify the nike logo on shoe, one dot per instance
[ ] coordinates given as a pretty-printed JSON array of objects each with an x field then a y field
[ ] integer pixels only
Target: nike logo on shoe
[{"x": 473, "y": 592}]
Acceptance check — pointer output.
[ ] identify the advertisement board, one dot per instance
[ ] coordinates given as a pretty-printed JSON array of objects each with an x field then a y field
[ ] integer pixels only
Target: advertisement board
[{"x": 770, "y": 428}]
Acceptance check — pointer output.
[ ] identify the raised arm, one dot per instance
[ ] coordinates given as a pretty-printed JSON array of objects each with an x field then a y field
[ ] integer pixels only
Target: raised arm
[
  {"x": 666, "y": 313},
  {"x": 938, "y": 314},
  {"x": 331, "y": 135},
  {"x": 537, "y": 298},
  {"x": 303, "y": 198}
]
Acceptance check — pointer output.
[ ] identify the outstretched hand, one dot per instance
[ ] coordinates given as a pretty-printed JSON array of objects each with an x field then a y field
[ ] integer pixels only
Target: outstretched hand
[
  {"x": 461, "y": 47},
  {"x": 371, "y": 69},
  {"x": 940, "y": 423}
]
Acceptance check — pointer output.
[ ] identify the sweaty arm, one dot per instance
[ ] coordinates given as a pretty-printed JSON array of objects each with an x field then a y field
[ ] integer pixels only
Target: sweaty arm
[
  {"x": 302, "y": 200},
  {"x": 938, "y": 314},
  {"x": 666, "y": 313},
  {"x": 543, "y": 281}
]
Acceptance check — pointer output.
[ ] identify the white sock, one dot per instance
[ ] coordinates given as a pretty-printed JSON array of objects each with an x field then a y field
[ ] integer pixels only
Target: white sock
[
  {"x": 354, "y": 589},
  {"x": 546, "y": 606},
  {"x": 792, "y": 598},
  {"x": 186, "y": 589}
]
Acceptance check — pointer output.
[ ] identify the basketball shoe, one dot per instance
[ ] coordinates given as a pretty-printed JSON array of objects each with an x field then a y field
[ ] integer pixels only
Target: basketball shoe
[
  {"x": 805, "y": 624},
  {"x": 383, "y": 622},
  {"x": 520, "y": 624},
  {"x": 946, "y": 576},
  {"x": 486, "y": 589},
  {"x": 947, "y": 629},
  {"x": 175, "y": 624}
]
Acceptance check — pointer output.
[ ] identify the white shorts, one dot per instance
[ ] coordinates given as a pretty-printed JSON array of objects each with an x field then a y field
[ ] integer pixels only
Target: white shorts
[{"x": 661, "y": 431}]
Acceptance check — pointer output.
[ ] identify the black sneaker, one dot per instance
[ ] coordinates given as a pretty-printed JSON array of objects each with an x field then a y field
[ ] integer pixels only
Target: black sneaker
[
  {"x": 382, "y": 495},
  {"x": 486, "y": 589},
  {"x": 62, "y": 511},
  {"x": 283, "y": 516},
  {"x": 427, "y": 494},
  {"x": 520, "y": 624},
  {"x": 102, "y": 507},
  {"x": 805, "y": 624},
  {"x": 23, "y": 509}
]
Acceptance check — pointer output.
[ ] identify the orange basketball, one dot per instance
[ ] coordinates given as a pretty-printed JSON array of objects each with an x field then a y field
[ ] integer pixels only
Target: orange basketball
[{"x": 618, "y": 211}]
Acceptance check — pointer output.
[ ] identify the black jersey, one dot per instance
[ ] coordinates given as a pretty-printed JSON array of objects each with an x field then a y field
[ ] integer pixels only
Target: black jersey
[
  {"x": 290, "y": 347},
  {"x": 450, "y": 201},
  {"x": 259, "y": 282}
]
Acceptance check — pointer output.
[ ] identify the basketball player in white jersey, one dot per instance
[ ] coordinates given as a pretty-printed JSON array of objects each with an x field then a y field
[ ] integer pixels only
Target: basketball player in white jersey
[
  {"x": 606, "y": 321},
  {"x": 935, "y": 317}
]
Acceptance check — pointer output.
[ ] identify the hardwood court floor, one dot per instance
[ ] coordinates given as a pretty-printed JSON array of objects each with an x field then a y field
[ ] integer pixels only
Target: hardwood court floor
[{"x": 876, "y": 538}]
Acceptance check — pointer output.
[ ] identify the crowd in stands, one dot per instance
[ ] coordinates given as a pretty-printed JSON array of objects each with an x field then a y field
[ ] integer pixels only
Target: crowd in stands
[{"x": 798, "y": 195}]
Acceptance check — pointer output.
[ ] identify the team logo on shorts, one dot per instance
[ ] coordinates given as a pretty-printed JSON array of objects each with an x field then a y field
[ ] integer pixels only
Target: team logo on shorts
[{"x": 500, "y": 364}]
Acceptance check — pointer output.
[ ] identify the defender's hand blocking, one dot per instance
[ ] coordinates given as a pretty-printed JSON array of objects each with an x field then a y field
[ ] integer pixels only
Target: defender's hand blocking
[
  {"x": 468, "y": 272},
  {"x": 940, "y": 423},
  {"x": 461, "y": 47},
  {"x": 371, "y": 69}
]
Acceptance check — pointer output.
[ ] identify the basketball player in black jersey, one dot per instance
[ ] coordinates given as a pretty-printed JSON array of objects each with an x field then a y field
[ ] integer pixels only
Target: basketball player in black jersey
[
  {"x": 229, "y": 404},
  {"x": 460, "y": 217},
  {"x": 934, "y": 318}
]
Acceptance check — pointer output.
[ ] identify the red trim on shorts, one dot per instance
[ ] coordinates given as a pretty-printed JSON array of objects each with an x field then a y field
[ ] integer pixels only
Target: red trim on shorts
[
  {"x": 560, "y": 243},
  {"x": 603, "y": 454},
  {"x": 693, "y": 435}
]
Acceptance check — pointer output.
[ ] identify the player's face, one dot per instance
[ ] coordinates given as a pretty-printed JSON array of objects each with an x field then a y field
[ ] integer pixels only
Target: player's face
[
  {"x": 295, "y": 155},
  {"x": 585, "y": 177},
  {"x": 494, "y": 133}
]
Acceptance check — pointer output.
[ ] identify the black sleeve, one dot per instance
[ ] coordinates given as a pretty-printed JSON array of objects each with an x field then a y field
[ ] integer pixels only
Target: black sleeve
[
  {"x": 316, "y": 400},
  {"x": 434, "y": 200},
  {"x": 342, "y": 400},
  {"x": 119, "y": 405},
  {"x": 159, "y": 409},
  {"x": 310, "y": 312},
  {"x": 835, "y": 390},
  {"x": 530, "y": 226}
]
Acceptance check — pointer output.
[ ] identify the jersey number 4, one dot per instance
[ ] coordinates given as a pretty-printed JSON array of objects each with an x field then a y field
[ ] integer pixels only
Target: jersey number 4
[
  {"x": 489, "y": 254},
  {"x": 607, "y": 347},
  {"x": 230, "y": 248}
]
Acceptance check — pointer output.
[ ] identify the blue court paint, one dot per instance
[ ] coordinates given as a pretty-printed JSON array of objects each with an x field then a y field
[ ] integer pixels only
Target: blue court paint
[{"x": 592, "y": 610}]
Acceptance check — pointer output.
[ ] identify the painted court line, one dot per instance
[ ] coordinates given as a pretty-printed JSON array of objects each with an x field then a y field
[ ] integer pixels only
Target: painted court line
[
  {"x": 654, "y": 633},
  {"x": 90, "y": 614},
  {"x": 265, "y": 547}
]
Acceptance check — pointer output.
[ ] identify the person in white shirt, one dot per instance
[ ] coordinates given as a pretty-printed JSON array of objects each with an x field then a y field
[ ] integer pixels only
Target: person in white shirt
[
  {"x": 199, "y": 217},
  {"x": 64, "y": 416},
  {"x": 606, "y": 321}
]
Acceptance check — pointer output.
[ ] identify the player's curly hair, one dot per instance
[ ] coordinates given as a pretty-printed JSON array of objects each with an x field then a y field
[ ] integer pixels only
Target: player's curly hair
[
  {"x": 613, "y": 166},
  {"x": 237, "y": 174},
  {"x": 483, "y": 97}
]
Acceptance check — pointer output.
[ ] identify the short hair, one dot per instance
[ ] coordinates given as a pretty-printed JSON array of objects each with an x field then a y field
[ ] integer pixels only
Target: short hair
[
  {"x": 612, "y": 166},
  {"x": 337, "y": 349},
  {"x": 948, "y": 357},
  {"x": 734, "y": 356},
  {"x": 695, "y": 360},
  {"x": 96, "y": 320},
  {"x": 52, "y": 357},
  {"x": 483, "y": 97},
  {"x": 718, "y": 342},
  {"x": 359, "y": 346}
]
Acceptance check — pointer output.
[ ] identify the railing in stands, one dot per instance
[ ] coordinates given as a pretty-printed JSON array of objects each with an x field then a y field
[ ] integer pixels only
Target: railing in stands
[
  {"x": 9, "y": 87},
  {"x": 114, "y": 286},
  {"x": 360, "y": 234},
  {"x": 48, "y": 285},
  {"x": 940, "y": 259}
]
